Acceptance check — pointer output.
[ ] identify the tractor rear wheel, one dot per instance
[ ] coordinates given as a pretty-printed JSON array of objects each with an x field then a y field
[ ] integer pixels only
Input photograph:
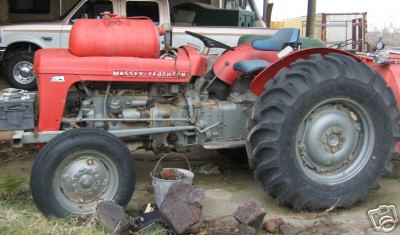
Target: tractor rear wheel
[
  {"x": 323, "y": 133},
  {"x": 77, "y": 169}
]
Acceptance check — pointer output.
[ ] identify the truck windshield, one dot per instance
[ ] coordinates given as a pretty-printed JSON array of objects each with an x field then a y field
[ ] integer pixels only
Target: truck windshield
[
  {"x": 143, "y": 8},
  {"x": 63, "y": 16},
  {"x": 93, "y": 10}
]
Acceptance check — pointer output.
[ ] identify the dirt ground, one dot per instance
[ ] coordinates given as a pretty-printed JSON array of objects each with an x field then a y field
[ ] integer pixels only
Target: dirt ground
[{"x": 224, "y": 192}]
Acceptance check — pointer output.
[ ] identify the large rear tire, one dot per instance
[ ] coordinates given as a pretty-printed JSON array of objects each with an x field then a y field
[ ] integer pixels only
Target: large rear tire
[
  {"x": 323, "y": 133},
  {"x": 77, "y": 169}
]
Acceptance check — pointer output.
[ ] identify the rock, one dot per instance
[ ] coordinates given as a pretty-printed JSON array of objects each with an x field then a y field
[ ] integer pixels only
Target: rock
[
  {"x": 246, "y": 230},
  {"x": 171, "y": 174},
  {"x": 112, "y": 217},
  {"x": 182, "y": 207},
  {"x": 223, "y": 231},
  {"x": 272, "y": 225},
  {"x": 289, "y": 229},
  {"x": 209, "y": 169},
  {"x": 250, "y": 214}
]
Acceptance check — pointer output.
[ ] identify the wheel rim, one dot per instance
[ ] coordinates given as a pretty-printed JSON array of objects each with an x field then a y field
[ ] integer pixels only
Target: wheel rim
[
  {"x": 23, "y": 72},
  {"x": 83, "y": 179},
  {"x": 335, "y": 141}
]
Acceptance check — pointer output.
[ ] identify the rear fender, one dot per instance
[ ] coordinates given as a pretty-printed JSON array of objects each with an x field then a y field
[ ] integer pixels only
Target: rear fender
[
  {"x": 223, "y": 67},
  {"x": 258, "y": 83},
  {"x": 391, "y": 74}
]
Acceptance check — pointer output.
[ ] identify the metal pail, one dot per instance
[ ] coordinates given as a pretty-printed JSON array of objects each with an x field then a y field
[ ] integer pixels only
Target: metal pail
[{"x": 161, "y": 186}]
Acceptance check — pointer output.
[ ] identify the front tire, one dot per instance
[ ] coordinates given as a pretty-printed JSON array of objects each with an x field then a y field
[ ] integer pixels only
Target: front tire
[
  {"x": 322, "y": 133},
  {"x": 19, "y": 71},
  {"x": 77, "y": 169}
]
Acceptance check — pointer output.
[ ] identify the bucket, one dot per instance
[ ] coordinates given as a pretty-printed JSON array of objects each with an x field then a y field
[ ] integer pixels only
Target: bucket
[{"x": 161, "y": 186}]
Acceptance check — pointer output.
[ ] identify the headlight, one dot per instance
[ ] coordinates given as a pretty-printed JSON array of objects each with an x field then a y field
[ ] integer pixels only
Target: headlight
[{"x": 379, "y": 45}]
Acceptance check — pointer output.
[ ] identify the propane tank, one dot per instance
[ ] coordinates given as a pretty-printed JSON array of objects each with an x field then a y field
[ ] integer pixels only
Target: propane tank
[{"x": 133, "y": 37}]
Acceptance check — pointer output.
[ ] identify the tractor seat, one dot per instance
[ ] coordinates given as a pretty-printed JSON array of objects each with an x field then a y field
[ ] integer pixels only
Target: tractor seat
[
  {"x": 250, "y": 66},
  {"x": 278, "y": 41}
]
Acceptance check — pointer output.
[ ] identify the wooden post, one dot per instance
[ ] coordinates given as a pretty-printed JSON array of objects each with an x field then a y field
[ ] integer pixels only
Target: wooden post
[
  {"x": 268, "y": 14},
  {"x": 264, "y": 12},
  {"x": 311, "y": 12}
]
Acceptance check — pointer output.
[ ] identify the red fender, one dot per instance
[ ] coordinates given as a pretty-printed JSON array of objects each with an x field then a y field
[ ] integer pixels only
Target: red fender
[
  {"x": 258, "y": 83},
  {"x": 223, "y": 67},
  {"x": 389, "y": 72}
]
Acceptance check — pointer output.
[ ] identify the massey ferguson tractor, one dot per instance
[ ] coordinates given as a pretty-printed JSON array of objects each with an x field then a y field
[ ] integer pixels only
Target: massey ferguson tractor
[{"x": 319, "y": 125}]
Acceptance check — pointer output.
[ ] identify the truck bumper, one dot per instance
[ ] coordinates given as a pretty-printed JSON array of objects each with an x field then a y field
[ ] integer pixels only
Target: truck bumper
[{"x": 2, "y": 52}]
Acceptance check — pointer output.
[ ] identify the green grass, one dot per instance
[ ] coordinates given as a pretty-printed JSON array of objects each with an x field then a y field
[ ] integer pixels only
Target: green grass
[
  {"x": 10, "y": 185},
  {"x": 19, "y": 216}
]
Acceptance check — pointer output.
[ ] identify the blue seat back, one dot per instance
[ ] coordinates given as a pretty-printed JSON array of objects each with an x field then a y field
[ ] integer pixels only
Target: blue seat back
[{"x": 278, "y": 41}]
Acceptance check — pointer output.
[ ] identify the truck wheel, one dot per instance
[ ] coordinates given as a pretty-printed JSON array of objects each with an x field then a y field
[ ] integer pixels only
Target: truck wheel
[
  {"x": 77, "y": 169},
  {"x": 19, "y": 71},
  {"x": 323, "y": 133}
]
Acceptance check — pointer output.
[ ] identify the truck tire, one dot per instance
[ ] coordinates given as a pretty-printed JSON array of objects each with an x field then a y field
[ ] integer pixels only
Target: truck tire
[
  {"x": 19, "y": 71},
  {"x": 77, "y": 169},
  {"x": 323, "y": 133}
]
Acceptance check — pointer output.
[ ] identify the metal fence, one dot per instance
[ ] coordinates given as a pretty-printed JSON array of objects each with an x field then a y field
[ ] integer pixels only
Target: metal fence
[{"x": 344, "y": 30}]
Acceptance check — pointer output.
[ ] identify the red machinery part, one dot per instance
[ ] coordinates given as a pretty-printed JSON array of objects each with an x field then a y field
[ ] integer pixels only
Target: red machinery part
[
  {"x": 58, "y": 70},
  {"x": 390, "y": 72},
  {"x": 223, "y": 67},
  {"x": 134, "y": 37},
  {"x": 258, "y": 83}
]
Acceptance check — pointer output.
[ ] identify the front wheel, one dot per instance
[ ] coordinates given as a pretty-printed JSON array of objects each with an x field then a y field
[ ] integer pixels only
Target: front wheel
[
  {"x": 322, "y": 133},
  {"x": 77, "y": 169},
  {"x": 19, "y": 71}
]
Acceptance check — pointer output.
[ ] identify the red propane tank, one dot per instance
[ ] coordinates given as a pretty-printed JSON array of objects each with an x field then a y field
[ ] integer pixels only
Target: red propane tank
[{"x": 137, "y": 37}]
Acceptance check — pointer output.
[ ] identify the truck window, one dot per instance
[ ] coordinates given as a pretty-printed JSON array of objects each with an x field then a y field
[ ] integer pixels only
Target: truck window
[
  {"x": 93, "y": 10},
  {"x": 143, "y": 8},
  {"x": 234, "y": 13},
  {"x": 29, "y": 6}
]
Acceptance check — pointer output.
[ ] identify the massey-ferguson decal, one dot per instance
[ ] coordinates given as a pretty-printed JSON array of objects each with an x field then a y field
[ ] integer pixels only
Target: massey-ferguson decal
[{"x": 148, "y": 74}]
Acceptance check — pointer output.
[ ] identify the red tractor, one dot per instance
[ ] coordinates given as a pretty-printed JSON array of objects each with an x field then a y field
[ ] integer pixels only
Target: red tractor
[{"x": 319, "y": 125}]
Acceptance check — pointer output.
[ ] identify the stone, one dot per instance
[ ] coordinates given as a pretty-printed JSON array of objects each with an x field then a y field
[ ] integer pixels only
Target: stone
[
  {"x": 246, "y": 230},
  {"x": 272, "y": 225},
  {"x": 112, "y": 217},
  {"x": 182, "y": 207},
  {"x": 209, "y": 169},
  {"x": 250, "y": 214},
  {"x": 171, "y": 174}
]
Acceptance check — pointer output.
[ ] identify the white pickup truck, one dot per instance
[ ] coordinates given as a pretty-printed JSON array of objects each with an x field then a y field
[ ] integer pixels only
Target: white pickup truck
[{"x": 223, "y": 20}]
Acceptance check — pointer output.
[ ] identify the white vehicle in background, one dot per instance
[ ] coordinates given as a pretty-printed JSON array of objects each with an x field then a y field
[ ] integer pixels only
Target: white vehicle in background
[{"x": 223, "y": 20}]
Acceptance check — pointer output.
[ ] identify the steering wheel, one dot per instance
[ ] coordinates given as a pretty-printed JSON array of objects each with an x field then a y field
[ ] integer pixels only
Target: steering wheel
[{"x": 209, "y": 42}]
